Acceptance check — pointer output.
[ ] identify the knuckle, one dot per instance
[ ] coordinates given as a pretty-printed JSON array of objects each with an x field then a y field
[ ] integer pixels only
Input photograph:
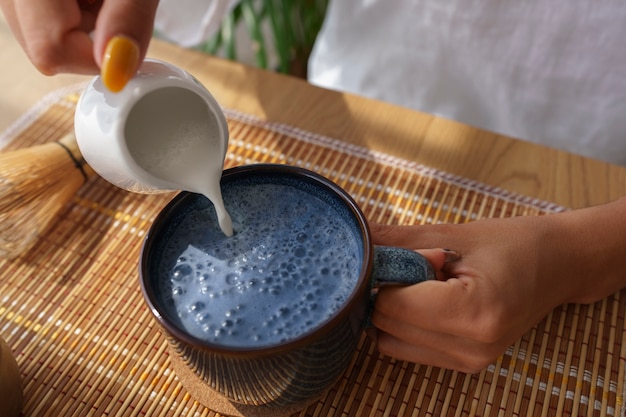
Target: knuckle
[
  {"x": 476, "y": 363},
  {"x": 46, "y": 56}
]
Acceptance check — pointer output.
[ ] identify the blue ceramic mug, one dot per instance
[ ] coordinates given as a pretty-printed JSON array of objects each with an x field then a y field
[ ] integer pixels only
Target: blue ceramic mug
[{"x": 271, "y": 316}]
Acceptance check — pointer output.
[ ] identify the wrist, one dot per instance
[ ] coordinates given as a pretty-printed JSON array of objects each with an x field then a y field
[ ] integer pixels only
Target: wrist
[{"x": 583, "y": 252}]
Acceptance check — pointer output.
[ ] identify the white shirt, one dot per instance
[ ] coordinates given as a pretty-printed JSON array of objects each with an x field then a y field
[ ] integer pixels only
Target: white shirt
[{"x": 546, "y": 71}]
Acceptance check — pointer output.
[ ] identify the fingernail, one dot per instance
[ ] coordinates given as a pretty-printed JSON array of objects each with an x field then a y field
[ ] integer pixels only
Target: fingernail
[
  {"x": 120, "y": 61},
  {"x": 451, "y": 255}
]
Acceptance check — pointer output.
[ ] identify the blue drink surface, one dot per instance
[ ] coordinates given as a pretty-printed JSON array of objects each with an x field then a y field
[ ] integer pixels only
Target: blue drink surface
[{"x": 292, "y": 263}]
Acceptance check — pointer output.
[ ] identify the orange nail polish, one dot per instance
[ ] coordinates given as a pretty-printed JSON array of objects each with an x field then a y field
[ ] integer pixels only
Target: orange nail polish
[{"x": 121, "y": 58}]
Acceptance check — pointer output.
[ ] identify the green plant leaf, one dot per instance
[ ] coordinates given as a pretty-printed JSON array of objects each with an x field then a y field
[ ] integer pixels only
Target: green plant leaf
[
  {"x": 253, "y": 22},
  {"x": 281, "y": 39},
  {"x": 294, "y": 24}
]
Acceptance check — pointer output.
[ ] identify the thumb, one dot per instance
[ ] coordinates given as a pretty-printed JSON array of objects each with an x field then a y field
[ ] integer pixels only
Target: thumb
[
  {"x": 412, "y": 236},
  {"x": 121, "y": 38},
  {"x": 440, "y": 259},
  {"x": 436, "y": 257}
]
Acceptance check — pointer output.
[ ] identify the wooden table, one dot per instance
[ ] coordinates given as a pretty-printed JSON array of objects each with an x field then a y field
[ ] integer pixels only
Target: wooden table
[{"x": 121, "y": 388}]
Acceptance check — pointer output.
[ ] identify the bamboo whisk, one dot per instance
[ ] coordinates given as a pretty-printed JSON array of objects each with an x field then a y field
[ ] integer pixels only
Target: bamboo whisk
[{"x": 35, "y": 184}]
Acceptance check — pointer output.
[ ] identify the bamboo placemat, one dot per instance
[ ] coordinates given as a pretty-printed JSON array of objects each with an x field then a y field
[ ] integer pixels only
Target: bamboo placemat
[{"x": 72, "y": 311}]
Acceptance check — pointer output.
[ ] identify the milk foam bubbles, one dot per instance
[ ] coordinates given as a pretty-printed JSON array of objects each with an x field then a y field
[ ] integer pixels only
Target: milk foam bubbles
[{"x": 291, "y": 264}]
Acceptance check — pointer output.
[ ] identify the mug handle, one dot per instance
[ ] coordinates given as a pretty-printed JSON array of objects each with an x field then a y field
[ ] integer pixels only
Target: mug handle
[
  {"x": 399, "y": 266},
  {"x": 396, "y": 267}
]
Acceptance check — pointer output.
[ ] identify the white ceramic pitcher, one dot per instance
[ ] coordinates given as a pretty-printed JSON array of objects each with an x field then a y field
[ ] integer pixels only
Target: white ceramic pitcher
[{"x": 152, "y": 135}]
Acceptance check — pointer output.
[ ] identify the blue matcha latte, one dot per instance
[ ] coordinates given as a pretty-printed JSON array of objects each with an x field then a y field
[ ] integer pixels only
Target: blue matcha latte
[{"x": 292, "y": 263}]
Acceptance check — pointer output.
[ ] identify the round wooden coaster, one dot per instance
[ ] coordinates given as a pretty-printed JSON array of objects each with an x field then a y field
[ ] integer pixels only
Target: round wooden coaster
[{"x": 216, "y": 402}]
